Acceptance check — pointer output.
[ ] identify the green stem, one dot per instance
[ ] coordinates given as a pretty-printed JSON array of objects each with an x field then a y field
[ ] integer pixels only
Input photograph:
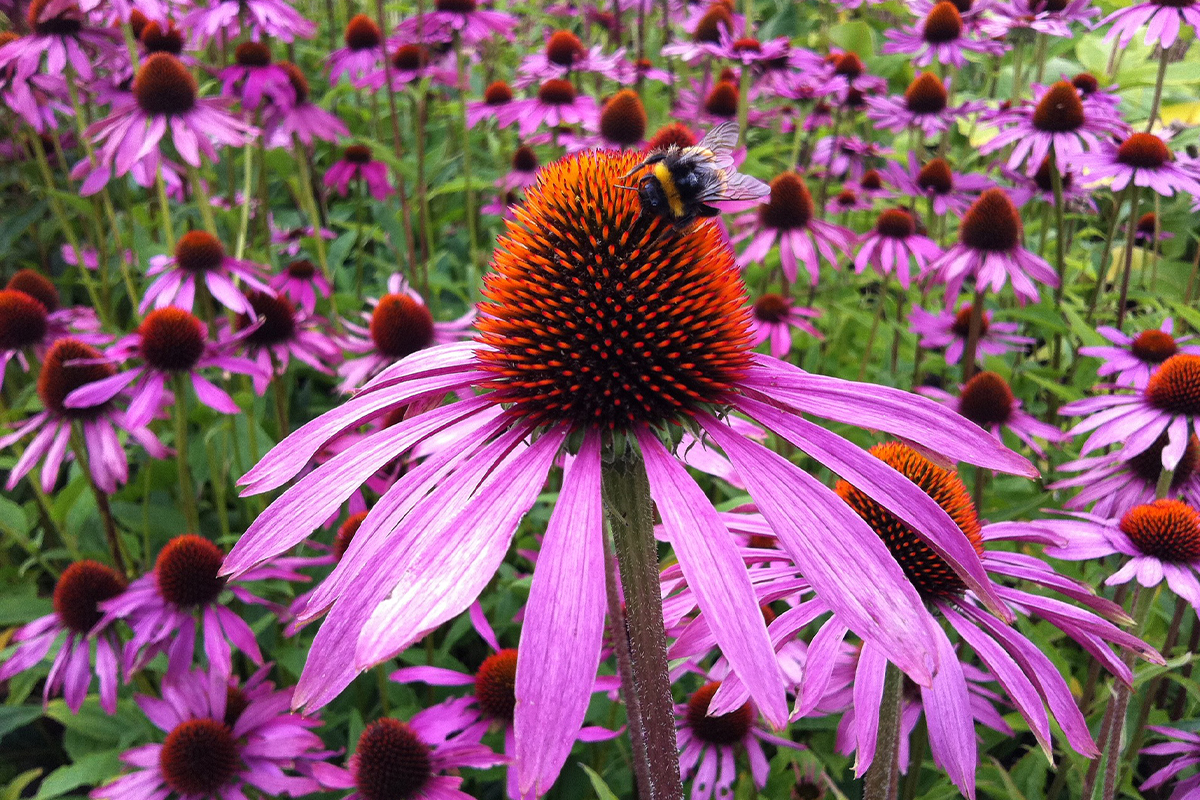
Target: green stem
[
  {"x": 631, "y": 519},
  {"x": 186, "y": 490},
  {"x": 1143, "y": 601},
  {"x": 106, "y": 518},
  {"x": 880, "y": 782},
  {"x": 1158, "y": 86},
  {"x": 974, "y": 329},
  {"x": 200, "y": 196},
  {"x": 164, "y": 210},
  {"x": 244, "y": 217},
  {"x": 1130, "y": 237},
  {"x": 1102, "y": 270},
  {"x": 468, "y": 190}
]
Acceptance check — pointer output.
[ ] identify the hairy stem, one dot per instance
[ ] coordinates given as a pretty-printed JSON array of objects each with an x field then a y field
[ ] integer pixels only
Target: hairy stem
[{"x": 881, "y": 781}]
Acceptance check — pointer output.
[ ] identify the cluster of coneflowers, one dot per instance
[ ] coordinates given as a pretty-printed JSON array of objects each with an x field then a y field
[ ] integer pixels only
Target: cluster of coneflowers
[{"x": 399, "y": 284}]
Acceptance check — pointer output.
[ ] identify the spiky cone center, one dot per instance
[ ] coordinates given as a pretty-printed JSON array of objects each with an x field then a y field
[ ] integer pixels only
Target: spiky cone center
[
  {"x": 401, "y": 325},
  {"x": 986, "y": 399},
  {"x": 848, "y": 65},
  {"x": 278, "y": 317},
  {"x": 411, "y": 57},
  {"x": 926, "y": 95},
  {"x": 992, "y": 223},
  {"x": 1060, "y": 110},
  {"x": 80, "y": 590},
  {"x": 61, "y": 375},
  {"x": 564, "y": 49},
  {"x": 198, "y": 252},
  {"x": 1044, "y": 177},
  {"x": 1147, "y": 224},
  {"x": 725, "y": 729},
  {"x": 303, "y": 269},
  {"x": 22, "y": 320},
  {"x": 362, "y": 33},
  {"x": 164, "y": 87},
  {"x": 1086, "y": 83},
  {"x": 172, "y": 339},
  {"x": 871, "y": 180},
  {"x": 1175, "y": 386},
  {"x": 236, "y": 702},
  {"x": 600, "y": 315},
  {"x": 722, "y": 100},
  {"x": 943, "y": 24},
  {"x": 936, "y": 176},
  {"x": 357, "y": 154},
  {"x": 928, "y": 572},
  {"x": 963, "y": 6},
  {"x": 524, "y": 159},
  {"x": 846, "y": 198},
  {"x": 747, "y": 44},
  {"x": 1168, "y": 530},
  {"x": 1144, "y": 151},
  {"x": 790, "y": 204},
  {"x": 67, "y": 22},
  {"x": 1153, "y": 346},
  {"x": 1052, "y": 6},
  {"x": 895, "y": 223},
  {"x": 391, "y": 761},
  {"x": 186, "y": 571},
  {"x": 1147, "y": 464},
  {"x": 36, "y": 286},
  {"x": 497, "y": 93},
  {"x": 157, "y": 39},
  {"x": 137, "y": 23},
  {"x": 961, "y": 327},
  {"x": 495, "y": 685},
  {"x": 1174, "y": 3},
  {"x": 623, "y": 119},
  {"x": 297, "y": 80},
  {"x": 772, "y": 308},
  {"x": 718, "y": 17},
  {"x": 456, "y": 6},
  {"x": 556, "y": 92},
  {"x": 676, "y": 134},
  {"x": 345, "y": 534},
  {"x": 199, "y": 757},
  {"x": 252, "y": 54}
]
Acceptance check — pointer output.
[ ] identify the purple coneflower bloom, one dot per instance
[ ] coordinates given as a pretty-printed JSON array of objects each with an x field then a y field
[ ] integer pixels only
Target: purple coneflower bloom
[
  {"x": 705, "y": 26},
  {"x": 845, "y": 156},
  {"x": 266, "y": 18},
  {"x": 1161, "y": 539},
  {"x": 849, "y": 199},
  {"x": 497, "y": 101},
  {"x": 556, "y": 103},
  {"x": 622, "y": 122},
  {"x": 708, "y": 744},
  {"x": 894, "y": 245},
  {"x": 989, "y": 249},
  {"x": 276, "y": 333},
  {"x": 1143, "y": 159},
  {"x": 77, "y": 595},
  {"x": 494, "y": 692},
  {"x": 417, "y": 760},
  {"x": 847, "y": 79},
  {"x": 362, "y": 54},
  {"x": 523, "y": 173},
  {"x": 924, "y": 104},
  {"x": 398, "y": 325},
  {"x": 172, "y": 343},
  {"x": 1049, "y": 17},
  {"x": 69, "y": 365},
  {"x": 1113, "y": 485},
  {"x": 950, "y": 329},
  {"x": 787, "y": 218},
  {"x": 165, "y": 99},
  {"x": 1133, "y": 358},
  {"x": 253, "y": 78},
  {"x": 32, "y": 320},
  {"x": 459, "y": 18},
  {"x": 946, "y": 190},
  {"x": 64, "y": 34},
  {"x": 302, "y": 282},
  {"x": 774, "y": 318},
  {"x": 565, "y": 55},
  {"x": 200, "y": 256},
  {"x": 1040, "y": 185},
  {"x": 291, "y": 238},
  {"x": 1164, "y": 20},
  {"x": 434, "y": 540},
  {"x": 412, "y": 62},
  {"x": 747, "y": 50},
  {"x": 939, "y": 37},
  {"x": 303, "y": 119},
  {"x": 1186, "y": 753},
  {"x": 1055, "y": 124},
  {"x": 1167, "y": 404},
  {"x": 165, "y": 607},
  {"x": 717, "y": 102},
  {"x": 222, "y": 739},
  {"x": 356, "y": 163},
  {"x": 987, "y": 400}
]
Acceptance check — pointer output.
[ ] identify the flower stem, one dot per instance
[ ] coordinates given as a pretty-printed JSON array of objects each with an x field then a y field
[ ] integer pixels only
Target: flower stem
[
  {"x": 631, "y": 519},
  {"x": 164, "y": 209},
  {"x": 468, "y": 190},
  {"x": 200, "y": 195},
  {"x": 1143, "y": 600},
  {"x": 1130, "y": 237},
  {"x": 1158, "y": 86},
  {"x": 882, "y": 779},
  {"x": 244, "y": 218},
  {"x": 1102, "y": 270},
  {"x": 974, "y": 329},
  {"x": 187, "y": 493},
  {"x": 106, "y": 518}
]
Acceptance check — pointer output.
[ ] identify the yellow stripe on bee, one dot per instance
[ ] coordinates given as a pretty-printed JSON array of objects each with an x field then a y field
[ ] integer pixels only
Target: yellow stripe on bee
[{"x": 668, "y": 184}]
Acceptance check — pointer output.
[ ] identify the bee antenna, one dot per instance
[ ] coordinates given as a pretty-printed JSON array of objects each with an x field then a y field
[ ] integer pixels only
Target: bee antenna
[{"x": 623, "y": 186}]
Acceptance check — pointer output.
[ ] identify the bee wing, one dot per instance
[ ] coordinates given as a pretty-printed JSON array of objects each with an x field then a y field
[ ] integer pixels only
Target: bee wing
[
  {"x": 720, "y": 141},
  {"x": 738, "y": 187}
]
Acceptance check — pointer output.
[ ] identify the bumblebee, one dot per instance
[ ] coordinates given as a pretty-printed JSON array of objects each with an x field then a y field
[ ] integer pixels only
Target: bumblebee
[{"x": 684, "y": 182}]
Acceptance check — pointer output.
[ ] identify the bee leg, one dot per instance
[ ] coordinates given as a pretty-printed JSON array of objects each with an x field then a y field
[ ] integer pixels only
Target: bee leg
[
  {"x": 653, "y": 158},
  {"x": 708, "y": 211}
]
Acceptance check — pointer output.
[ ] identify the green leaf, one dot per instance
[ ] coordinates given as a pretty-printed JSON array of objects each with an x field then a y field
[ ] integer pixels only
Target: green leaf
[
  {"x": 91, "y": 770},
  {"x": 17, "y": 785},
  {"x": 13, "y": 717},
  {"x": 598, "y": 784},
  {"x": 856, "y": 37}
]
